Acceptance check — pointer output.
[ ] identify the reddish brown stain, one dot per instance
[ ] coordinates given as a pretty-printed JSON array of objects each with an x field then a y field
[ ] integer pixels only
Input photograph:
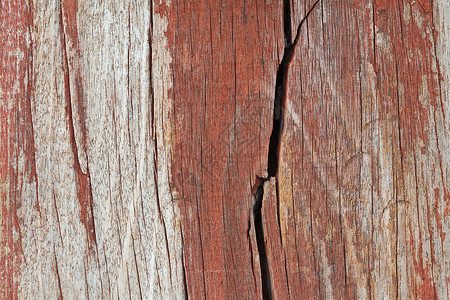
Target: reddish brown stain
[
  {"x": 83, "y": 181},
  {"x": 73, "y": 62},
  {"x": 70, "y": 10},
  {"x": 277, "y": 260},
  {"x": 224, "y": 65},
  {"x": 325, "y": 163},
  {"x": 331, "y": 120},
  {"x": 411, "y": 60},
  {"x": 16, "y": 137},
  {"x": 415, "y": 52},
  {"x": 417, "y": 92},
  {"x": 320, "y": 147},
  {"x": 436, "y": 193},
  {"x": 426, "y": 5},
  {"x": 446, "y": 201},
  {"x": 438, "y": 220},
  {"x": 423, "y": 282},
  {"x": 381, "y": 5}
]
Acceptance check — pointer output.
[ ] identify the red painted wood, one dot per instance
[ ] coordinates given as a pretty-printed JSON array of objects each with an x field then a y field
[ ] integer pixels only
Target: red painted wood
[
  {"x": 363, "y": 100},
  {"x": 359, "y": 205},
  {"x": 224, "y": 62},
  {"x": 16, "y": 137}
]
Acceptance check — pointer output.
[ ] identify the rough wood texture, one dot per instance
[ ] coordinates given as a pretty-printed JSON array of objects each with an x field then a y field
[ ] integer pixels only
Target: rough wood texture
[
  {"x": 86, "y": 205},
  {"x": 362, "y": 182},
  {"x": 233, "y": 149},
  {"x": 224, "y": 65}
]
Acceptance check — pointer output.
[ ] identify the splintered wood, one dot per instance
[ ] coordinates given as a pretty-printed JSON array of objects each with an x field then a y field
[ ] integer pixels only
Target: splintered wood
[{"x": 135, "y": 137}]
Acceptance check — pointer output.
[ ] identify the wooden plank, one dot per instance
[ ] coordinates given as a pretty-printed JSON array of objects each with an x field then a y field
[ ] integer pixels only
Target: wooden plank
[
  {"x": 362, "y": 178},
  {"x": 18, "y": 177},
  {"x": 201, "y": 149},
  {"x": 224, "y": 65},
  {"x": 105, "y": 226}
]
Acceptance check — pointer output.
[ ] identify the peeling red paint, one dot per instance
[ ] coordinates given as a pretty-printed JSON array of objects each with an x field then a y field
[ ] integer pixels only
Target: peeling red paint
[
  {"x": 320, "y": 154},
  {"x": 84, "y": 189},
  {"x": 424, "y": 287},
  {"x": 74, "y": 66},
  {"x": 70, "y": 10},
  {"x": 426, "y": 5},
  {"x": 447, "y": 202},
  {"x": 16, "y": 137},
  {"x": 222, "y": 94},
  {"x": 436, "y": 194},
  {"x": 223, "y": 71},
  {"x": 438, "y": 219}
]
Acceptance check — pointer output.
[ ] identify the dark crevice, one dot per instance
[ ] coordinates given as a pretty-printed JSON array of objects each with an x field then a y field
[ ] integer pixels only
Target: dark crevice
[
  {"x": 281, "y": 87},
  {"x": 287, "y": 24},
  {"x": 263, "y": 260},
  {"x": 274, "y": 143},
  {"x": 183, "y": 265}
]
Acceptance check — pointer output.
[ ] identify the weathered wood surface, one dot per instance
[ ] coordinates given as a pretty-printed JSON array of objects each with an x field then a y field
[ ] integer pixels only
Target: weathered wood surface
[
  {"x": 233, "y": 149},
  {"x": 87, "y": 210},
  {"x": 362, "y": 182}
]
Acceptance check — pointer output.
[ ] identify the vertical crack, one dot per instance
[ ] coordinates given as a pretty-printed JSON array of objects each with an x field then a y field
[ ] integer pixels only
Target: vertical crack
[
  {"x": 275, "y": 140},
  {"x": 259, "y": 230},
  {"x": 281, "y": 86}
]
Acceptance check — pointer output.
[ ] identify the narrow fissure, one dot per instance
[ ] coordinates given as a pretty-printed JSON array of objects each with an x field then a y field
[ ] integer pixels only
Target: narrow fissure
[
  {"x": 275, "y": 140},
  {"x": 280, "y": 93},
  {"x": 263, "y": 260}
]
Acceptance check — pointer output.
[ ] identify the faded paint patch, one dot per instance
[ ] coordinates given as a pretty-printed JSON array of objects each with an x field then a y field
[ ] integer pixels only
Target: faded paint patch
[
  {"x": 162, "y": 114},
  {"x": 18, "y": 183}
]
